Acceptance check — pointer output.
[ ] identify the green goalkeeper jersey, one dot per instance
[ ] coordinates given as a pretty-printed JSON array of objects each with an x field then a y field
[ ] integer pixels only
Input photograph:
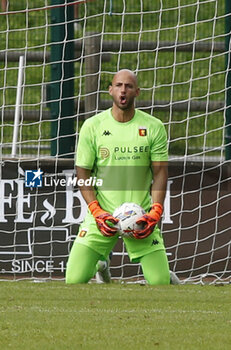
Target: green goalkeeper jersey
[{"x": 120, "y": 155}]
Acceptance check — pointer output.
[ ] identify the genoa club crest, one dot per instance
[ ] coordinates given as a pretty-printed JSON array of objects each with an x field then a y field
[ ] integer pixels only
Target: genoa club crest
[{"x": 142, "y": 131}]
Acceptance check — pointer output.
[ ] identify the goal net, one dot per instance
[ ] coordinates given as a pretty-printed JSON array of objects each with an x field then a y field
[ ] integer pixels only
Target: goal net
[{"x": 57, "y": 59}]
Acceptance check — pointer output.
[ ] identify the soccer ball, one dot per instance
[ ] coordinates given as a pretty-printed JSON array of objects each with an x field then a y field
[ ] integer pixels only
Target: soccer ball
[{"x": 128, "y": 214}]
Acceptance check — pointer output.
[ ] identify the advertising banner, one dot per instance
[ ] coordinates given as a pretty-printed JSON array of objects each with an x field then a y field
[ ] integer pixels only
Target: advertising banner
[{"x": 41, "y": 207}]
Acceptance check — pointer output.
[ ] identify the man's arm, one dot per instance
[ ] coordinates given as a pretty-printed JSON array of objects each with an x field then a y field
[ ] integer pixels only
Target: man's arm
[
  {"x": 160, "y": 179},
  {"x": 86, "y": 191},
  {"x": 158, "y": 191},
  {"x": 102, "y": 218}
]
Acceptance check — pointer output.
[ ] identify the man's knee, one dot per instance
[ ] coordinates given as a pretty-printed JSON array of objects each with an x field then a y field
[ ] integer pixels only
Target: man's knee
[
  {"x": 81, "y": 265},
  {"x": 71, "y": 280},
  {"x": 155, "y": 268},
  {"x": 77, "y": 277},
  {"x": 157, "y": 280}
]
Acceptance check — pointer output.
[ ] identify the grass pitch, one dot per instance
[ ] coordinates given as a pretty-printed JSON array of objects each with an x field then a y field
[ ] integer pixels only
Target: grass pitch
[{"x": 56, "y": 316}]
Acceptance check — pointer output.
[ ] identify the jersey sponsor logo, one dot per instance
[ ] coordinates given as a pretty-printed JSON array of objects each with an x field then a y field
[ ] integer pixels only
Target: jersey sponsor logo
[
  {"x": 104, "y": 152},
  {"x": 142, "y": 131},
  {"x": 106, "y": 133},
  {"x": 134, "y": 149}
]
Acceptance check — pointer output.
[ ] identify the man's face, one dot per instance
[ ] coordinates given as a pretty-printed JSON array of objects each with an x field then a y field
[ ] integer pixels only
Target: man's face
[{"x": 124, "y": 89}]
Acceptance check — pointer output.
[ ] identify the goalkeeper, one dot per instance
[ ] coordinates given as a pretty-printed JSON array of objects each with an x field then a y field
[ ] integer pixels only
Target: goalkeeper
[{"x": 127, "y": 149}]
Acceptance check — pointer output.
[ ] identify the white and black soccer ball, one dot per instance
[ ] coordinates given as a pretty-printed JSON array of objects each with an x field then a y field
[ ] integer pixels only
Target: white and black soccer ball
[{"x": 128, "y": 214}]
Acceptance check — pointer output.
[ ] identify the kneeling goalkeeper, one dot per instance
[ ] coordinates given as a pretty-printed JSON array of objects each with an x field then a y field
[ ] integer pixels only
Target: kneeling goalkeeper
[{"x": 127, "y": 149}]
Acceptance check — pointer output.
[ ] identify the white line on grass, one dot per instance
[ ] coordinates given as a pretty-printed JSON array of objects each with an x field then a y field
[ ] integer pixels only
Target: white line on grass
[{"x": 89, "y": 310}]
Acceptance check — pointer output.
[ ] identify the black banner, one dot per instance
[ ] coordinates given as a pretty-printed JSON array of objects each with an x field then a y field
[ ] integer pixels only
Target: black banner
[{"x": 41, "y": 208}]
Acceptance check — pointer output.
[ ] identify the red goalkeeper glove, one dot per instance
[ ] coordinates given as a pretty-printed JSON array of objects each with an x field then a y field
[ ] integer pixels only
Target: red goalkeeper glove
[
  {"x": 101, "y": 218},
  {"x": 148, "y": 221}
]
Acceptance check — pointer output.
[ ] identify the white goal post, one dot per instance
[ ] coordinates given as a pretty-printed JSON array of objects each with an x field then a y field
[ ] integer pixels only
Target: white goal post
[{"x": 180, "y": 51}]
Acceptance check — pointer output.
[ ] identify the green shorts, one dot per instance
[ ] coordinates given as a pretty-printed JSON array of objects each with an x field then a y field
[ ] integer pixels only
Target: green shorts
[{"x": 90, "y": 236}]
